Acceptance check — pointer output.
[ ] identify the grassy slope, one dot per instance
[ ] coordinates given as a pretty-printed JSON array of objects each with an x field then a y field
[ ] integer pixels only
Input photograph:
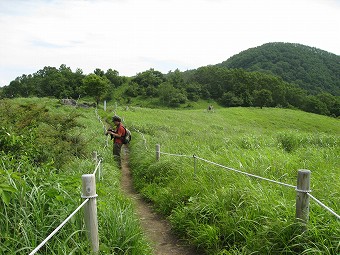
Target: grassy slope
[
  {"x": 119, "y": 230},
  {"x": 273, "y": 143}
]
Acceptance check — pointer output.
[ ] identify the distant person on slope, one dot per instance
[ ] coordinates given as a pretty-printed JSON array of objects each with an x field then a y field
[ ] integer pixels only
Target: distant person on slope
[{"x": 117, "y": 135}]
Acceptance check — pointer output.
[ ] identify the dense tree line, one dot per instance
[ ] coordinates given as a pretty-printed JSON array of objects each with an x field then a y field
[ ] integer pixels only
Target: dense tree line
[
  {"x": 228, "y": 87},
  {"x": 63, "y": 83},
  {"x": 48, "y": 81},
  {"x": 312, "y": 69}
]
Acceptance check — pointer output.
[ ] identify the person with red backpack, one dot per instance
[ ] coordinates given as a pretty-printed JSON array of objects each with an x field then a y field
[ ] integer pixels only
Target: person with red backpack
[{"x": 118, "y": 136}]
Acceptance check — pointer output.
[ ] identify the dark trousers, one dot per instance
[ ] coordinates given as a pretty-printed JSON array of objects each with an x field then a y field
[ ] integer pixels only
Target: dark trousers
[{"x": 116, "y": 151}]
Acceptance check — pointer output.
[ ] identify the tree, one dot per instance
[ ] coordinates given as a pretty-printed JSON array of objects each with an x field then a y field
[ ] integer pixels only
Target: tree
[
  {"x": 132, "y": 90},
  {"x": 262, "y": 98},
  {"x": 151, "y": 91},
  {"x": 99, "y": 72},
  {"x": 96, "y": 86},
  {"x": 50, "y": 81},
  {"x": 214, "y": 79},
  {"x": 171, "y": 96},
  {"x": 332, "y": 103},
  {"x": 229, "y": 99},
  {"x": 176, "y": 79},
  {"x": 114, "y": 78},
  {"x": 314, "y": 105},
  {"x": 73, "y": 81},
  {"x": 149, "y": 78},
  {"x": 295, "y": 95},
  {"x": 194, "y": 91}
]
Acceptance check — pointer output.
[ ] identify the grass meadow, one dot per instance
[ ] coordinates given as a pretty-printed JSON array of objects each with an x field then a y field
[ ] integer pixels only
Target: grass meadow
[
  {"x": 46, "y": 147},
  {"x": 223, "y": 212}
]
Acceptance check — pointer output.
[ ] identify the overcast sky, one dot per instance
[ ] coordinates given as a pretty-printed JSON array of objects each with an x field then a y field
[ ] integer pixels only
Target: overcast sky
[{"x": 132, "y": 36}]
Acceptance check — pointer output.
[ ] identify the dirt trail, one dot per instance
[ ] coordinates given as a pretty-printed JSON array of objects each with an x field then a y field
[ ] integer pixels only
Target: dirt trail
[{"x": 156, "y": 229}]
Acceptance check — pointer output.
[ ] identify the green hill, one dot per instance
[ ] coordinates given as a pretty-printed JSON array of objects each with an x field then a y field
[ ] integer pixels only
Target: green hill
[{"x": 313, "y": 69}]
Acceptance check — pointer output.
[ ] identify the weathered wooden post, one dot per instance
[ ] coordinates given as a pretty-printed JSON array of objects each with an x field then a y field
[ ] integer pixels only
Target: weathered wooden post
[
  {"x": 90, "y": 209},
  {"x": 95, "y": 156},
  {"x": 105, "y": 105},
  {"x": 302, "y": 198},
  {"x": 158, "y": 152}
]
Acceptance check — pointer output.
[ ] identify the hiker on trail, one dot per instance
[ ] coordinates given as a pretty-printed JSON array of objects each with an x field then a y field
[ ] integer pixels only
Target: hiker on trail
[{"x": 117, "y": 135}]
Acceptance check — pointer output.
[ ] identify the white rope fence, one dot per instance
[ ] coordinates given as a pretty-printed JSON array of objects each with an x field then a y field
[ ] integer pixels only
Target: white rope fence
[
  {"x": 89, "y": 194},
  {"x": 104, "y": 127},
  {"x": 98, "y": 166},
  {"x": 176, "y": 155},
  {"x": 143, "y": 137},
  {"x": 228, "y": 168},
  {"x": 305, "y": 192},
  {"x": 324, "y": 206},
  {"x": 59, "y": 227},
  {"x": 245, "y": 173}
]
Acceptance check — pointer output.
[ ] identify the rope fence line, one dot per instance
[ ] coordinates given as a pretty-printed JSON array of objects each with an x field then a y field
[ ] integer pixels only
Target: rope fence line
[
  {"x": 178, "y": 155},
  {"x": 104, "y": 128},
  {"x": 89, "y": 194},
  {"x": 245, "y": 173},
  {"x": 305, "y": 192},
  {"x": 97, "y": 167},
  {"x": 324, "y": 206},
  {"x": 301, "y": 191},
  {"x": 228, "y": 168},
  {"x": 143, "y": 137},
  {"x": 59, "y": 227}
]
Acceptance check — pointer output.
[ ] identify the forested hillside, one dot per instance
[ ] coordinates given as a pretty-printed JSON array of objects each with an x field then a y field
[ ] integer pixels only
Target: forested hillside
[
  {"x": 246, "y": 86},
  {"x": 313, "y": 69}
]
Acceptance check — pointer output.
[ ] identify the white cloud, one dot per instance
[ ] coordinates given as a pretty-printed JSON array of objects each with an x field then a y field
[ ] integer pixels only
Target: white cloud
[{"x": 132, "y": 36}]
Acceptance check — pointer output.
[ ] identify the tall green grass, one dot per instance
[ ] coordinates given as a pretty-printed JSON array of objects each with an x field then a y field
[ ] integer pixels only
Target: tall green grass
[
  {"x": 38, "y": 193},
  {"x": 227, "y": 213}
]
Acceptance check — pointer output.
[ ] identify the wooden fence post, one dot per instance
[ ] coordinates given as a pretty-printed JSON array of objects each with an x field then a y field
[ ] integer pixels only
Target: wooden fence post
[
  {"x": 158, "y": 152},
  {"x": 302, "y": 198},
  {"x": 90, "y": 209},
  {"x": 95, "y": 156}
]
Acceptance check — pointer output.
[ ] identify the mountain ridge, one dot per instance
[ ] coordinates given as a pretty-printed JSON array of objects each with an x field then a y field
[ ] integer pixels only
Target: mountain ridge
[{"x": 311, "y": 68}]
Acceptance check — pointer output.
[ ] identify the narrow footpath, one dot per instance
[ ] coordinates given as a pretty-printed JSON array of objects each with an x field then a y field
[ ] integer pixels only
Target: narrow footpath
[{"x": 157, "y": 230}]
